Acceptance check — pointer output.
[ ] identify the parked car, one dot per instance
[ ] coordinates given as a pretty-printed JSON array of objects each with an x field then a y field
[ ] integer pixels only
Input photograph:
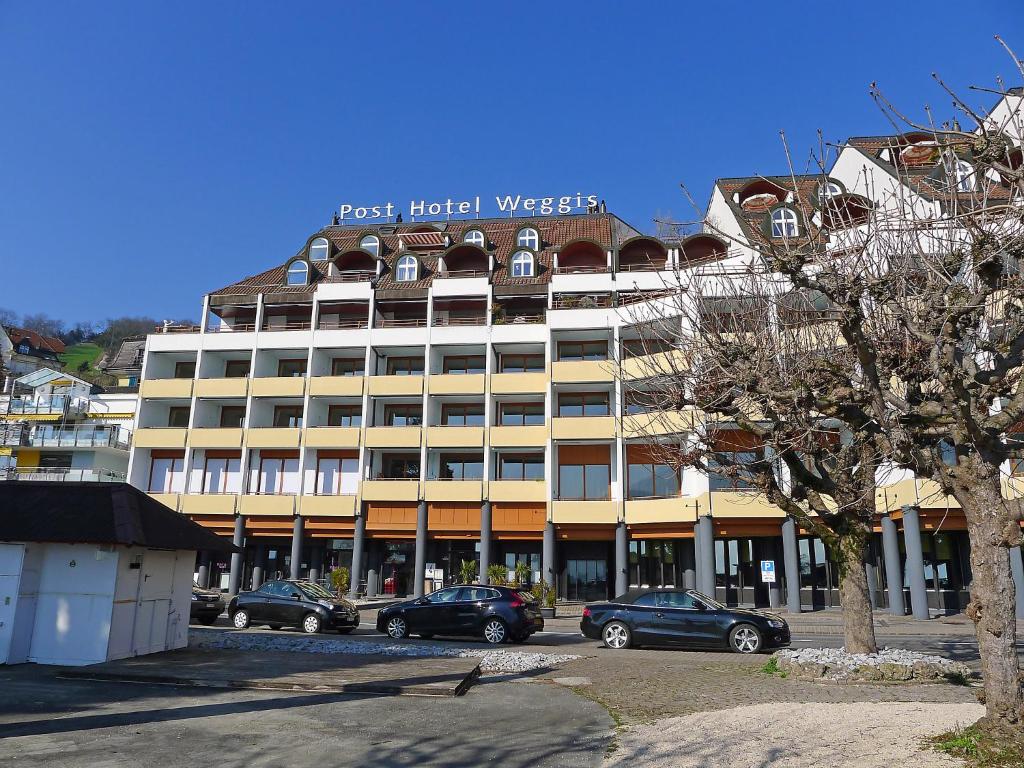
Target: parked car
[
  {"x": 498, "y": 614},
  {"x": 681, "y": 617},
  {"x": 207, "y": 605},
  {"x": 296, "y": 603}
]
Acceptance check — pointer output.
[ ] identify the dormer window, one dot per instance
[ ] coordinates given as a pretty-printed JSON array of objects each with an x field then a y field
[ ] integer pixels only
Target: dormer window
[
  {"x": 522, "y": 264},
  {"x": 371, "y": 244},
  {"x": 784, "y": 223},
  {"x": 963, "y": 173},
  {"x": 298, "y": 273},
  {"x": 406, "y": 269},
  {"x": 319, "y": 249},
  {"x": 475, "y": 237},
  {"x": 528, "y": 237},
  {"x": 828, "y": 189}
]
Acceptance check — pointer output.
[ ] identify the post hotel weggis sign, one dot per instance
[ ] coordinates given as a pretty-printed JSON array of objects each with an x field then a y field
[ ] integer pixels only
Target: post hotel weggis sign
[{"x": 507, "y": 204}]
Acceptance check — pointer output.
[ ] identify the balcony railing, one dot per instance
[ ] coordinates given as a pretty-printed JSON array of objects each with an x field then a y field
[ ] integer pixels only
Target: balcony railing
[
  {"x": 291, "y": 325},
  {"x": 335, "y": 325},
  {"x": 644, "y": 267},
  {"x": 44, "y": 405},
  {"x": 518, "y": 318},
  {"x": 441, "y": 320},
  {"x": 236, "y": 328},
  {"x": 582, "y": 270},
  {"x": 63, "y": 474},
  {"x": 178, "y": 329},
  {"x": 353, "y": 276},
  {"x": 464, "y": 273},
  {"x": 587, "y": 301},
  {"x": 404, "y": 322},
  {"x": 78, "y": 437}
]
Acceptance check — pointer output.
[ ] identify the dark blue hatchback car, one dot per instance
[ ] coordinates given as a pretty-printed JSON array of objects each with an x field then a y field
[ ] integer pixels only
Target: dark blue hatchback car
[{"x": 681, "y": 617}]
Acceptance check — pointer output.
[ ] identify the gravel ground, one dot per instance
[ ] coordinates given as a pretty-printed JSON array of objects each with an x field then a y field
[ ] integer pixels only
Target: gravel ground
[
  {"x": 837, "y": 657},
  {"x": 862, "y": 735},
  {"x": 498, "y": 661}
]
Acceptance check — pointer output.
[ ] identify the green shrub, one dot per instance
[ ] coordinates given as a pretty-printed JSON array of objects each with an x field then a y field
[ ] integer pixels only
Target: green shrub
[
  {"x": 497, "y": 574},
  {"x": 340, "y": 581},
  {"x": 467, "y": 572}
]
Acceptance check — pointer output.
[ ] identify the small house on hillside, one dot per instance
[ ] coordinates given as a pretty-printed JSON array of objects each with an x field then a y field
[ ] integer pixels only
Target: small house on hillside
[{"x": 91, "y": 572}]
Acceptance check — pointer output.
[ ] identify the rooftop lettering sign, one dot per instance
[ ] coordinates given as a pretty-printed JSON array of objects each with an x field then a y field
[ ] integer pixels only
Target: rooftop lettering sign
[{"x": 503, "y": 204}]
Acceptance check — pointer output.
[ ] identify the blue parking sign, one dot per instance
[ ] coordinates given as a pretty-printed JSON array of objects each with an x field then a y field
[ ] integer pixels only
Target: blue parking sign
[{"x": 768, "y": 571}]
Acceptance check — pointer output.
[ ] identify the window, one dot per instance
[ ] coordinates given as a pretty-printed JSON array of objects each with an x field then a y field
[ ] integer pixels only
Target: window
[
  {"x": 449, "y": 595},
  {"x": 675, "y": 600},
  {"x": 475, "y": 237},
  {"x": 167, "y": 474},
  {"x": 404, "y": 415},
  {"x": 641, "y": 347},
  {"x": 232, "y": 416},
  {"x": 522, "y": 264},
  {"x": 370, "y": 244},
  {"x": 318, "y": 250},
  {"x": 177, "y": 416},
  {"x": 344, "y": 416},
  {"x": 462, "y": 415},
  {"x": 288, "y": 416},
  {"x": 185, "y": 369},
  {"x": 461, "y": 467},
  {"x": 521, "y": 466},
  {"x": 583, "y": 350},
  {"x": 721, "y": 482},
  {"x": 963, "y": 173},
  {"x": 404, "y": 366},
  {"x": 583, "y": 481},
  {"x": 222, "y": 474},
  {"x": 405, "y": 270},
  {"x": 646, "y": 600},
  {"x": 528, "y": 237},
  {"x": 463, "y": 364},
  {"x": 236, "y": 369},
  {"x": 291, "y": 368},
  {"x": 347, "y": 366},
  {"x": 784, "y": 223},
  {"x": 521, "y": 363},
  {"x": 298, "y": 273},
  {"x": 475, "y": 594},
  {"x": 652, "y": 480},
  {"x": 402, "y": 468},
  {"x": 278, "y": 475},
  {"x": 520, "y": 414},
  {"x": 337, "y": 476},
  {"x": 583, "y": 404},
  {"x": 828, "y": 189}
]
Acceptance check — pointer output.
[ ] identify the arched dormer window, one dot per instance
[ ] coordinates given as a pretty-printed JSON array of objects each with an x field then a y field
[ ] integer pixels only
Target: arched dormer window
[
  {"x": 298, "y": 273},
  {"x": 371, "y": 244},
  {"x": 828, "y": 189},
  {"x": 528, "y": 237},
  {"x": 784, "y": 223},
  {"x": 522, "y": 264},
  {"x": 406, "y": 269},
  {"x": 319, "y": 249},
  {"x": 475, "y": 237}
]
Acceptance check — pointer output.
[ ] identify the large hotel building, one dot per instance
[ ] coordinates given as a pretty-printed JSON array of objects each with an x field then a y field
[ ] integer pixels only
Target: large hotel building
[{"x": 398, "y": 398}]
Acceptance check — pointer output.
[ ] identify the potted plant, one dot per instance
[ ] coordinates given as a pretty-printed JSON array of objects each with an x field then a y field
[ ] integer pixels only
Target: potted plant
[
  {"x": 497, "y": 574},
  {"x": 340, "y": 581},
  {"x": 522, "y": 574},
  {"x": 545, "y": 595},
  {"x": 467, "y": 572}
]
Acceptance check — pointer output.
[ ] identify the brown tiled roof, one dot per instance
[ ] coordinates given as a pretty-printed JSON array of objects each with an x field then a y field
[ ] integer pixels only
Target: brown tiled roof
[
  {"x": 35, "y": 340},
  {"x": 555, "y": 231},
  {"x": 754, "y": 217}
]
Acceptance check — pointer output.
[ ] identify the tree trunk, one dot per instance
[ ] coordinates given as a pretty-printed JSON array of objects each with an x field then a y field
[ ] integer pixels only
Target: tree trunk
[
  {"x": 993, "y": 600},
  {"x": 858, "y": 621}
]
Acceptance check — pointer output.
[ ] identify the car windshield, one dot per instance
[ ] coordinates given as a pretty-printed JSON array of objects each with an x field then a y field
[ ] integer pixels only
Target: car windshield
[
  {"x": 316, "y": 591},
  {"x": 708, "y": 601}
]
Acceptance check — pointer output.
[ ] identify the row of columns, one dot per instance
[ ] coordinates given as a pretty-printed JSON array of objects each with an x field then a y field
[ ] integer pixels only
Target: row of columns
[{"x": 698, "y": 571}]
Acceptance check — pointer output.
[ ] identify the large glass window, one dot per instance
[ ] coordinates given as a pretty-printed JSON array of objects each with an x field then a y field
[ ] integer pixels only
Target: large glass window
[
  {"x": 475, "y": 237},
  {"x": 405, "y": 366},
  {"x": 528, "y": 237},
  {"x": 185, "y": 369},
  {"x": 521, "y": 466},
  {"x": 405, "y": 270},
  {"x": 522, "y": 264},
  {"x": 582, "y": 350},
  {"x": 784, "y": 223},
  {"x": 232, "y": 416},
  {"x": 288, "y": 416},
  {"x": 649, "y": 479},
  {"x": 291, "y": 368},
  {"x": 463, "y": 364},
  {"x": 298, "y": 273},
  {"x": 515, "y": 363},
  {"x": 337, "y": 476},
  {"x": 402, "y": 467},
  {"x": 347, "y": 366},
  {"x": 583, "y": 481},
  {"x": 653, "y": 563},
  {"x": 222, "y": 475},
  {"x": 344, "y": 416},
  {"x": 370, "y": 244},
  {"x": 520, "y": 414},
  {"x": 461, "y": 467},
  {"x": 167, "y": 474},
  {"x": 403, "y": 415},
  {"x": 278, "y": 475},
  {"x": 236, "y": 369},
  {"x": 721, "y": 482},
  {"x": 319, "y": 249},
  {"x": 462, "y": 414},
  {"x": 177, "y": 416},
  {"x": 583, "y": 404}
]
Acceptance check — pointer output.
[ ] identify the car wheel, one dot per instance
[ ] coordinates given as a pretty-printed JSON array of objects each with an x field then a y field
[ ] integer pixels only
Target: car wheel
[
  {"x": 397, "y": 628},
  {"x": 495, "y": 631},
  {"x": 745, "y": 639},
  {"x": 275, "y": 626},
  {"x": 208, "y": 621},
  {"x": 616, "y": 635},
  {"x": 240, "y": 619},
  {"x": 311, "y": 624}
]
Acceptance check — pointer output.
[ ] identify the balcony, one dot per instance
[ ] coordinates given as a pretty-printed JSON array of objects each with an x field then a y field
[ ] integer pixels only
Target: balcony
[
  {"x": 266, "y": 504},
  {"x": 582, "y": 371},
  {"x": 388, "y": 489},
  {"x": 582, "y": 301},
  {"x": 457, "y": 384},
  {"x": 78, "y": 437},
  {"x": 343, "y": 505},
  {"x": 517, "y": 490},
  {"x": 519, "y": 383},
  {"x": 180, "y": 389},
  {"x": 218, "y": 388},
  {"x": 43, "y": 406},
  {"x": 453, "y": 490},
  {"x": 332, "y": 437},
  {"x": 273, "y": 437},
  {"x": 279, "y": 386},
  {"x": 583, "y": 428},
  {"x": 344, "y": 315},
  {"x": 208, "y": 504},
  {"x": 519, "y": 437},
  {"x": 585, "y": 511},
  {"x": 455, "y": 437},
  {"x": 395, "y": 385},
  {"x": 657, "y": 423},
  {"x": 160, "y": 437},
  {"x": 336, "y": 386},
  {"x": 62, "y": 474},
  {"x": 592, "y": 269},
  {"x": 216, "y": 437},
  {"x": 673, "y": 509},
  {"x": 447, "y": 319},
  {"x": 394, "y": 437}
]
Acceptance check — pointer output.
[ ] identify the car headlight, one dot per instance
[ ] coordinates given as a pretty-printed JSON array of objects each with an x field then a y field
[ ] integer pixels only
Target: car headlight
[
  {"x": 326, "y": 604},
  {"x": 776, "y": 623},
  {"x": 195, "y": 598}
]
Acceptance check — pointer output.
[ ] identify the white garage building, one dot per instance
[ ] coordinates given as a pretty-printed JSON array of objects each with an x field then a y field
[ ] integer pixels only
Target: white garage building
[{"x": 91, "y": 572}]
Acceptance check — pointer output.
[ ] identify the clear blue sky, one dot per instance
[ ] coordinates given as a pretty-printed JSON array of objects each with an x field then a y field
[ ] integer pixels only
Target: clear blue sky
[{"x": 150, "y": 152}]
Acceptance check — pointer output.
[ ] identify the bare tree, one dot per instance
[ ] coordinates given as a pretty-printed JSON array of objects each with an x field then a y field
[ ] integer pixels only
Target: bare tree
[{"x": 8, "y": 316}]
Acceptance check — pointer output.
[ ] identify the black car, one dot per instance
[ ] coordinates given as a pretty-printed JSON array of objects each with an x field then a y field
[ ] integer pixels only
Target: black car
[
  {"x": 207, "y": 605},
  {"x": 498, "y": 614},
  {"x": 681, "y": 617},
  {"x": 296, "y": 603}
]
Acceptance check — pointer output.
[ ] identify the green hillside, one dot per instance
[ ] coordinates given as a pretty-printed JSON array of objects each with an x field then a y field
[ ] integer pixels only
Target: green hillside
[{"x": 80, "y": 360}]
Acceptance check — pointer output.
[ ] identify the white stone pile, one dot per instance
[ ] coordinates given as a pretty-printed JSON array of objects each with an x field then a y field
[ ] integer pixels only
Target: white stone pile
[
  {"x": 492, "y": 661},
  {"x": 888, "y": 665}
]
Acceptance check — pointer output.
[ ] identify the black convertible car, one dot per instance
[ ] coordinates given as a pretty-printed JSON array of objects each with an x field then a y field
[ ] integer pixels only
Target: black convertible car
[
  {"x": 301, "y": 604},
  {"x": 681, "y": 617},
  {"x": 498, "y": 614}
]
